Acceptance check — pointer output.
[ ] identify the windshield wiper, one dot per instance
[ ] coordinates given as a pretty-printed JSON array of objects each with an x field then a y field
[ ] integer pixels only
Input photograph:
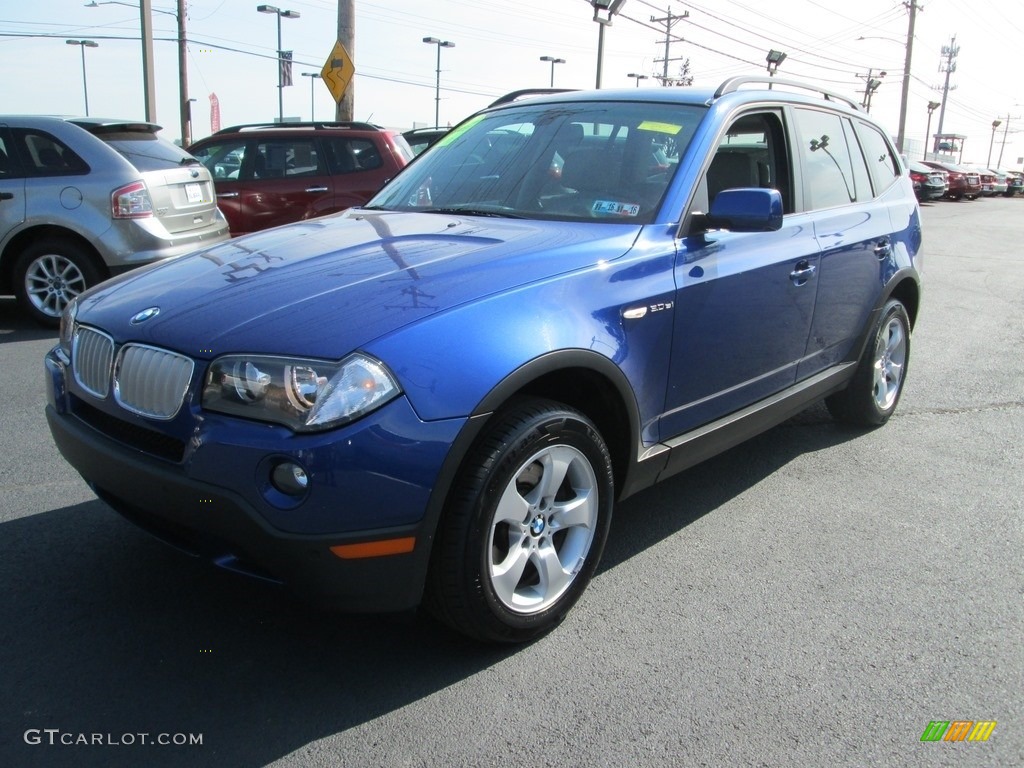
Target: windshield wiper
[{"x": 472, "y": 212}]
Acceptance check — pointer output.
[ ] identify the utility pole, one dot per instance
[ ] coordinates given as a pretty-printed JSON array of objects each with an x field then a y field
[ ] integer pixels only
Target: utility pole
[
  {"x": 148, "y": 84},
  {"x": 669, "y": 21},
  {"x": 185, "y": 106},
  {"x": 871, "y": 84},
  {"x": 950, "y": 52},
  {"x": 1006, "y": 129},
  {"x": 347, "y": 36},
  {"x": 905, "y": 94}
]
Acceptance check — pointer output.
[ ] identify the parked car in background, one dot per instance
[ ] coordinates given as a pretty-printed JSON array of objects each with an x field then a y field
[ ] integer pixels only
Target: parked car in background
[
  {"x": 986, "y": 177},
  {"x": 1014, "y": 183},
  {"x": 929, "y": 183},
  {"x": 1000, "y": 183},
  {"x": 438, "y": 397},
  {"x": 963, "y": 183},
  {"x": 268, "y": 175},
  {"x": 82, "y": 199},
  {"x": 421, "y": 138}
]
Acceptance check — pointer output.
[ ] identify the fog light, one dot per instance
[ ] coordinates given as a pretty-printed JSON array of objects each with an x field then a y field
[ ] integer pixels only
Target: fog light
[{"x": 290, "y": 479}]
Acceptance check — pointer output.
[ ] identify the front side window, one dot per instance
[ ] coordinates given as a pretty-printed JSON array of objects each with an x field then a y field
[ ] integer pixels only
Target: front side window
[
  {"x": 604, "y": 161},
  {"x": 278, "y": 158},
  {"x": 752, "y": 153},
  {"x": 826, "y": 160}
]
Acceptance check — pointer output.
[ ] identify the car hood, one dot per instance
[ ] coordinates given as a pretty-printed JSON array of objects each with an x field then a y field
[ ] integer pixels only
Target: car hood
[{"x": 324, "y": 287}]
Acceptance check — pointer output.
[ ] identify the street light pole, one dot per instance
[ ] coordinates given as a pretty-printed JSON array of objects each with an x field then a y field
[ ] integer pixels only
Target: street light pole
[
  {"x": 932, "y": 106},
  {"x": 437, "y": 82},
  {"x": 612, "y": 8},
  {"x": 83, "y": 44},
  {"x": 313, "y": 77},
  {"x": 553, "y": 61},
  {"x": 280, "y": 53},
  {"x": 992, "y": 141},
  {"x": 637, "y": 77}
]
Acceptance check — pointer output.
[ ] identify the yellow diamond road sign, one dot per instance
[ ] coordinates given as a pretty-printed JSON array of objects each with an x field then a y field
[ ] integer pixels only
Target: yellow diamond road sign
[{"x": 338, "y": 70}]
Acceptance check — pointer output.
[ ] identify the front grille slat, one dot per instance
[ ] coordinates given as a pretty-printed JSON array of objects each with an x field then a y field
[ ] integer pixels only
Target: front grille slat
[
  {"x": 151, "y": 382},
  {"x": 92, "y": 355}
]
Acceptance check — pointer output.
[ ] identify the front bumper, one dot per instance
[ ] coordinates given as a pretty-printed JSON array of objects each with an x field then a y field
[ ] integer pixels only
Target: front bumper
[{"x": 209, "y": 504}]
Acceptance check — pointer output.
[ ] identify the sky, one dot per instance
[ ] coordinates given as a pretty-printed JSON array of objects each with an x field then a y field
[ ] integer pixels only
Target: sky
[{"x": 498, "y": 45}]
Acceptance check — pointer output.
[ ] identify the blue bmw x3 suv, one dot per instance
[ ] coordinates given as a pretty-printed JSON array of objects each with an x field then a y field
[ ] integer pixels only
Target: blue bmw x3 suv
[{"x": 437, "y": 398}]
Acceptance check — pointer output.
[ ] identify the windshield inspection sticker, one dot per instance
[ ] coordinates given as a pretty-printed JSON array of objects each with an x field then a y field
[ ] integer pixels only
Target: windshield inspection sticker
[{"x": 611, "y": 208}]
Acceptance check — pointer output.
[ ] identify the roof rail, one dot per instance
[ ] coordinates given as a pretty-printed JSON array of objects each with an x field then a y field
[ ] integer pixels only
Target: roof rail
[
  {"x": 733, "y": 84},
  {"x": 524, "y": 93},
  {"x": 318, "y": 125}
]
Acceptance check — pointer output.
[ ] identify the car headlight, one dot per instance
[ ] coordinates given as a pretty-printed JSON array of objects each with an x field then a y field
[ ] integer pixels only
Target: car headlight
[
  {"x": 67, "y": 326},
  {"x": 303, "y": 394}
]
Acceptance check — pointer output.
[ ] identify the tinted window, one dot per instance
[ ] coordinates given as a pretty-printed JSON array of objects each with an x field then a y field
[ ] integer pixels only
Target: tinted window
[
  {"x": 350, "y": 155},
  {"x": 882, "y": 163},
  {"x": 145, "y": 150},
  {"x": 826, "y": 160},
  {"x": 8, "y": 160},
  {"x": 45, "y": 155},
  {"x": 287, "y": 157}
]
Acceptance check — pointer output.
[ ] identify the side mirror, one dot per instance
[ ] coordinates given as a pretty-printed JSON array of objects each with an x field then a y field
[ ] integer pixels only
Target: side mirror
[{"x": 746, "y": 210}]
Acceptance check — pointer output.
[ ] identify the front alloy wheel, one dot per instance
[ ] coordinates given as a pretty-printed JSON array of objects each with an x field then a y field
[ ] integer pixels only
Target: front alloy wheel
[{"x": 524, "y": 526}]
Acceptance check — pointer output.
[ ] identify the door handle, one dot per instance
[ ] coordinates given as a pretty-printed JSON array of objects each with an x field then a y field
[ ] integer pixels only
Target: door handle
[
  {"x": 6, "y": 195},
  {"x": 227, "y": 194},
  {"x": 317, "y": 189},
  {"x": 883, "y": 249},
  {"x": 803, "y": 272}
]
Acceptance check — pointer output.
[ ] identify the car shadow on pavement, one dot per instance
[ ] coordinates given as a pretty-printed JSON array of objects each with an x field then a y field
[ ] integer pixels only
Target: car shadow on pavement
[
  {"x": 106, "y": 631},
  {"x": 654, "y": 514},
  {"x": 16, "y": 325}
]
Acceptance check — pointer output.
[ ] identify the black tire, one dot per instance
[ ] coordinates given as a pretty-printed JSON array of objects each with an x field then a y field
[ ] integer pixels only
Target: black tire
[
  {"x": 50, "y": 273},
  {"x": 876, "y": 387},
  {"x": 510, "y": 580}
]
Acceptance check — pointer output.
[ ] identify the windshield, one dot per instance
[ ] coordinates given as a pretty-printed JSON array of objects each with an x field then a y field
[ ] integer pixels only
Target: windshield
[{"x": 607, "y": 161}]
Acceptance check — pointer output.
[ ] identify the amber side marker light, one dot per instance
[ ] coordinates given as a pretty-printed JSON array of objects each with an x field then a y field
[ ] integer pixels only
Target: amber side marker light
[{"x": 375, "y": 548}]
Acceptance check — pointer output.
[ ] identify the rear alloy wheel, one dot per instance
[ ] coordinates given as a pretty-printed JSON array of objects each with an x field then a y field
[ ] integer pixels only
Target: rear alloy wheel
[
  {"x": 525, "y": 525},
  {"x": 875, "y": 388},
  {"x": 49, "y": 275}
]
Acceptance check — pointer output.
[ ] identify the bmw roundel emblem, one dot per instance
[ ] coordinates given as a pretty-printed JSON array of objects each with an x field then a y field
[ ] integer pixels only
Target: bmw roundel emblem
[{"x": 145, "y": 315}]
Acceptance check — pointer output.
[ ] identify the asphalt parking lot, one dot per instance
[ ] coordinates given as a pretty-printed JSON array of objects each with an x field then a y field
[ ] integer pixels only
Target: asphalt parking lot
[{"x": 815, "y": 597}]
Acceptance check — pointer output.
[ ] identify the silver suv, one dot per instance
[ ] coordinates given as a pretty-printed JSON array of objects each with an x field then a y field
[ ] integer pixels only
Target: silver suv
[{"x": 84, "y": 199}]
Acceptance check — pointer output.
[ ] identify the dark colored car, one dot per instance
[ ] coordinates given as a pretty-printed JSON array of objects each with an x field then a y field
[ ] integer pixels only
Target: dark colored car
[
  {"x": 419, "y": 139},
  {"x": 268, "y": 175},
  {"x": 962, "y": 182},
  {"x": 437, "y": 398},
  {"x": 929, "y": 183},
  {"x": 82, "y": 199},
  {"x": 1014, "y": 183}
]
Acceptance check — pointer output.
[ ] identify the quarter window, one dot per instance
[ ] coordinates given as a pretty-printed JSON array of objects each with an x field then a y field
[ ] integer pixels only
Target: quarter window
[{"x": 882, "y": 163}]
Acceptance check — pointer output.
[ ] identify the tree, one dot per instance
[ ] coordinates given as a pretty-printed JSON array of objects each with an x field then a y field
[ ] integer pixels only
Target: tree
[{"x": 683, "y": 78}]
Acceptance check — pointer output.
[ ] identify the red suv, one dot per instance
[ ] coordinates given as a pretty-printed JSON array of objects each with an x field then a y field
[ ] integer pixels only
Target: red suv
[{"x": 266, "y": 175}]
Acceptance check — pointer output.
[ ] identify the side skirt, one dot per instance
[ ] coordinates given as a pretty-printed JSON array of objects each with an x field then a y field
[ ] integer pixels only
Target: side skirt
[{"x": 702, "y": 443}]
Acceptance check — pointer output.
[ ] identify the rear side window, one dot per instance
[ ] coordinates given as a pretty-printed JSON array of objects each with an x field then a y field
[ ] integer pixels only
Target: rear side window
[
  {"x": 882, "y": 163},
  {"x": 827, "y": 160},
  {"x": 46, "y": 155},
  {"x": 351, "y": 155},
  {"x": 8, "y": 160}
]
